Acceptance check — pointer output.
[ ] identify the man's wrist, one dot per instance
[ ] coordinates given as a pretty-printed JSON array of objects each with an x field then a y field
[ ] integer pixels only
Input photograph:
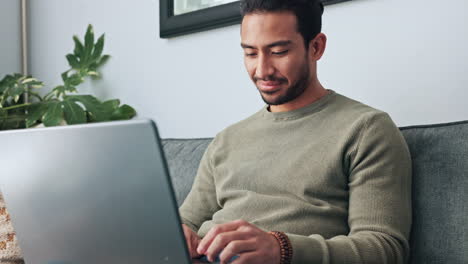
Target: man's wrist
[{"x": 286, "y": 250}]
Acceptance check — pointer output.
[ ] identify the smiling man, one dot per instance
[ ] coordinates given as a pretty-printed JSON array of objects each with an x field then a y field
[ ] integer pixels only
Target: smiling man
[{"x": 314, "y": 176}]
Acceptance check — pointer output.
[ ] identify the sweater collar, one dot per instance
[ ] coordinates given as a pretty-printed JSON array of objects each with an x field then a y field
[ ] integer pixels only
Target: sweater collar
[{"x": 297, "y": 113}]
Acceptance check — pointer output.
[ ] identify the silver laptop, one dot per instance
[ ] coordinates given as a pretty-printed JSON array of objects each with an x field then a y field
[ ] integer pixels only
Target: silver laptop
[{"x": 95, "y": 193}]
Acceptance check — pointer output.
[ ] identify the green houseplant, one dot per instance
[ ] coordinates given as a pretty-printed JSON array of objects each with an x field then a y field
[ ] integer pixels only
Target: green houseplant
[{"x": 62, "y": 104}]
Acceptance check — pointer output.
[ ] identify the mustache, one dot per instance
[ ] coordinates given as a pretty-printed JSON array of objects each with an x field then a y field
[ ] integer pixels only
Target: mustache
[{"x": 270, "y": 79}]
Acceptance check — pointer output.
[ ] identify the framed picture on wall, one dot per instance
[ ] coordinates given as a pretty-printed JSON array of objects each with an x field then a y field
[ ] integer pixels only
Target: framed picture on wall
[{"x": 180, "y": 17}]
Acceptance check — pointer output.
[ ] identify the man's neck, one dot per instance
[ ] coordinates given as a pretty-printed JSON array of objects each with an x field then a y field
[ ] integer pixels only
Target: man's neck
[{"x": 310, "y": 95}]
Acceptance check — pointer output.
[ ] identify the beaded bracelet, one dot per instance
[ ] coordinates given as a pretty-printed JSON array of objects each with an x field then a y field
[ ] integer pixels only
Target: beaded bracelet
[{"x": 285, "y": 246}]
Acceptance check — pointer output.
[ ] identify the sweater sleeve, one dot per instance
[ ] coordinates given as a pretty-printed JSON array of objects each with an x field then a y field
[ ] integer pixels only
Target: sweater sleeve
[
  {"x": 201, "y": 203},
  {"x": 379, "y": 213}
]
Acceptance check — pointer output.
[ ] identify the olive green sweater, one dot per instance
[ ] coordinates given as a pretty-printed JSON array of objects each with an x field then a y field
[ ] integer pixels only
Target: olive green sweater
[{"x": 334, "y": 175}]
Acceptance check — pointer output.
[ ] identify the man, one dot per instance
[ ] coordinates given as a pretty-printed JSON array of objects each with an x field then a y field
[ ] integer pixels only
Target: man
[{"x": 314, "y": 176}]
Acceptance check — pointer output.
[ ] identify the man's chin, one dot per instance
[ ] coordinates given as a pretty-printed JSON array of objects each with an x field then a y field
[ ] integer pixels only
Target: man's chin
[{"x": 272, "y": 100}]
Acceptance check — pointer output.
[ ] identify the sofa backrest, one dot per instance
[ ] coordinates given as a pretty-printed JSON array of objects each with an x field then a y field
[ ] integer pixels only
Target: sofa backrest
[
  {"x": 440, "y": 187},
  {"x": 183, "y": 157},
  {"x": 439, "y": 154}
]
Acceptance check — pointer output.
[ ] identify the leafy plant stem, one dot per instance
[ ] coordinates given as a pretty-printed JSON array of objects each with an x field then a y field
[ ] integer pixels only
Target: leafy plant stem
[
  {"x": 61, "y": 105},
  {"x": 16, "y": 106}
]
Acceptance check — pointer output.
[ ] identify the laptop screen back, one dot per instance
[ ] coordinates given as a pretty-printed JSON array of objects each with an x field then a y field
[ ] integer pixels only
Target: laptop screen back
[{"x": 95, "y": 193}]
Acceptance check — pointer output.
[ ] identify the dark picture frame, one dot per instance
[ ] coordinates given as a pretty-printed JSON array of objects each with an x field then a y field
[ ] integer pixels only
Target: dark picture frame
[{"x": 200, "y": 20}]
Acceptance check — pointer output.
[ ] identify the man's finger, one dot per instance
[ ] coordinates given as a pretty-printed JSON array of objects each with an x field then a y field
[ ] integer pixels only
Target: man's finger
[
  {"x": 192, "y": 241},
  {"x": 190, "y": 244},
  {"x": 236, "y": 248},
  {"x": 193, "y": 247},
  {"x": 218, "y": 229},
  {"x": 246, "y": 258},
  {"x": 222, "y": 240}
]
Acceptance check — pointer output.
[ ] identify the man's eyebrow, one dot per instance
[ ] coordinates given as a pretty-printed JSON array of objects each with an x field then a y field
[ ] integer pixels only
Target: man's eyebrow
[
  {"x": 279, "y": 43},
  {"x": 274, "y": 44},
  {"x": 245, "y": 46}
]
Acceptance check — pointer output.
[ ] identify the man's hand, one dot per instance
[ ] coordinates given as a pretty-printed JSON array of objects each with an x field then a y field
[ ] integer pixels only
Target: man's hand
[
  {"x": 239, "y": 237},
  {"x": 192, "y": 241}
]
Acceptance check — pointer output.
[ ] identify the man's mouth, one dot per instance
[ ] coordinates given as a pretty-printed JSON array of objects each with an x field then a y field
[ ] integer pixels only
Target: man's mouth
[{"x": 268, "y": 86}]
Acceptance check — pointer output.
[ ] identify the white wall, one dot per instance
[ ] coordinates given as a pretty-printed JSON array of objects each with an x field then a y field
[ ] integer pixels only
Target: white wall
[
  {"x": 405, "y": 57},
  {"x": 10, "y": 37}
]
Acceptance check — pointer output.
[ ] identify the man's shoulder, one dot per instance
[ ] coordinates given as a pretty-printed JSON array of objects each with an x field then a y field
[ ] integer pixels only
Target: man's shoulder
[
  {"x": 353, "y": 116},
  {"x": 351, "y": 112},
  {"x": 354, "y": 109}
]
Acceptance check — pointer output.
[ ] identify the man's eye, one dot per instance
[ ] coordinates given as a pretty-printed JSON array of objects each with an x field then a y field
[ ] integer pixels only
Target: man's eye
[
  {"x": 280, "y": 52},
  {"x": 250, "y": 54}
]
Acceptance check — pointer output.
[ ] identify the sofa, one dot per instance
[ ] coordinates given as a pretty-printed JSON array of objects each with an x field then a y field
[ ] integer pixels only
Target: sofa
[
  {"x": 440, "y": 187},
  {"x": 440, "y": 191}
]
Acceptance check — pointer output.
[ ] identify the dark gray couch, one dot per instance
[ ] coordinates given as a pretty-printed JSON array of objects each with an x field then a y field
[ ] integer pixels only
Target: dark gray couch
[{"x": 440, "y": 187}]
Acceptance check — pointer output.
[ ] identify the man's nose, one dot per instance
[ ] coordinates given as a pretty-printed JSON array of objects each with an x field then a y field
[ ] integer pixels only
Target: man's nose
[{"x": 264, "y": 68}]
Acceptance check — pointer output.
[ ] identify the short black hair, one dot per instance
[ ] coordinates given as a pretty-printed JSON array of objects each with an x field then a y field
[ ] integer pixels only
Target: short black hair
[{"x": 308, "y": 13}]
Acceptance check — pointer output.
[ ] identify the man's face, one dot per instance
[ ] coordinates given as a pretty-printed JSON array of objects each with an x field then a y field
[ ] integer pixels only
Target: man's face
[{"x": 275, "y": 56}]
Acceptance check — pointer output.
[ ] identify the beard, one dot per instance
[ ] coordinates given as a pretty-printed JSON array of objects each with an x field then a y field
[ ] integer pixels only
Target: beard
[{"x": 292, "y": 92}]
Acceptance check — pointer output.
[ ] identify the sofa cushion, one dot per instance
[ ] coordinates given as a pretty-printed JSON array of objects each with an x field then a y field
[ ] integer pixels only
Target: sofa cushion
[
  {"x": 183, "y": 157},
  {"x": 439, "y": 154}
]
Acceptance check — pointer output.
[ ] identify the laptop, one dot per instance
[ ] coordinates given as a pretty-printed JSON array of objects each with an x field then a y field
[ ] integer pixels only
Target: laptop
[{"x": 94, "y": 193}]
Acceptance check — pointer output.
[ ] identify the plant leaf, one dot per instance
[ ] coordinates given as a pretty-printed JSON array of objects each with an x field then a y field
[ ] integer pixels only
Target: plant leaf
[
  {"x": 3, "y": 118},
  {"x": 94, "y": 107},
  {"x": 3, "y": 113},
  {"x": 65, "y": 76},
  {"x": 17, "y": 90},
  {"x": 74, "y": 114},
  {"x": 32, "y": 82},
  {"x": 78, "y": 51},
  {"x": 98, "y": 48},
  {"x": 54, "y": 114},
  {"x": 112, "y": 104},
  {"x": 3, "y": 85},
  {"x": 123, "y": 113},
  {"x": 74, "y": 80},
  {"x": 89, "y": 44},
  {"x": 94, "y": 75},
  {"x": 35, "y": 113},
  {"x": 35, "y": 84},
  {"x": 12, "y": 87},
  {"x": 103, "y": 60},
  {"x": 71, "y": 89},
  {"x": 73, "y": 61},
  {"x": 59, "y": 89}
]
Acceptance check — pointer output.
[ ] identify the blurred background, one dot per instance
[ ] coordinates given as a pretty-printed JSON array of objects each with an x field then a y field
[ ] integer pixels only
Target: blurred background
[{"x": 408, "y": 58}]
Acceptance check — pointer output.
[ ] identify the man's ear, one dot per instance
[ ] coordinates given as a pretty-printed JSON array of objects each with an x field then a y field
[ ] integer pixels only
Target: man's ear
[{"x": 317, "y": 47}]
